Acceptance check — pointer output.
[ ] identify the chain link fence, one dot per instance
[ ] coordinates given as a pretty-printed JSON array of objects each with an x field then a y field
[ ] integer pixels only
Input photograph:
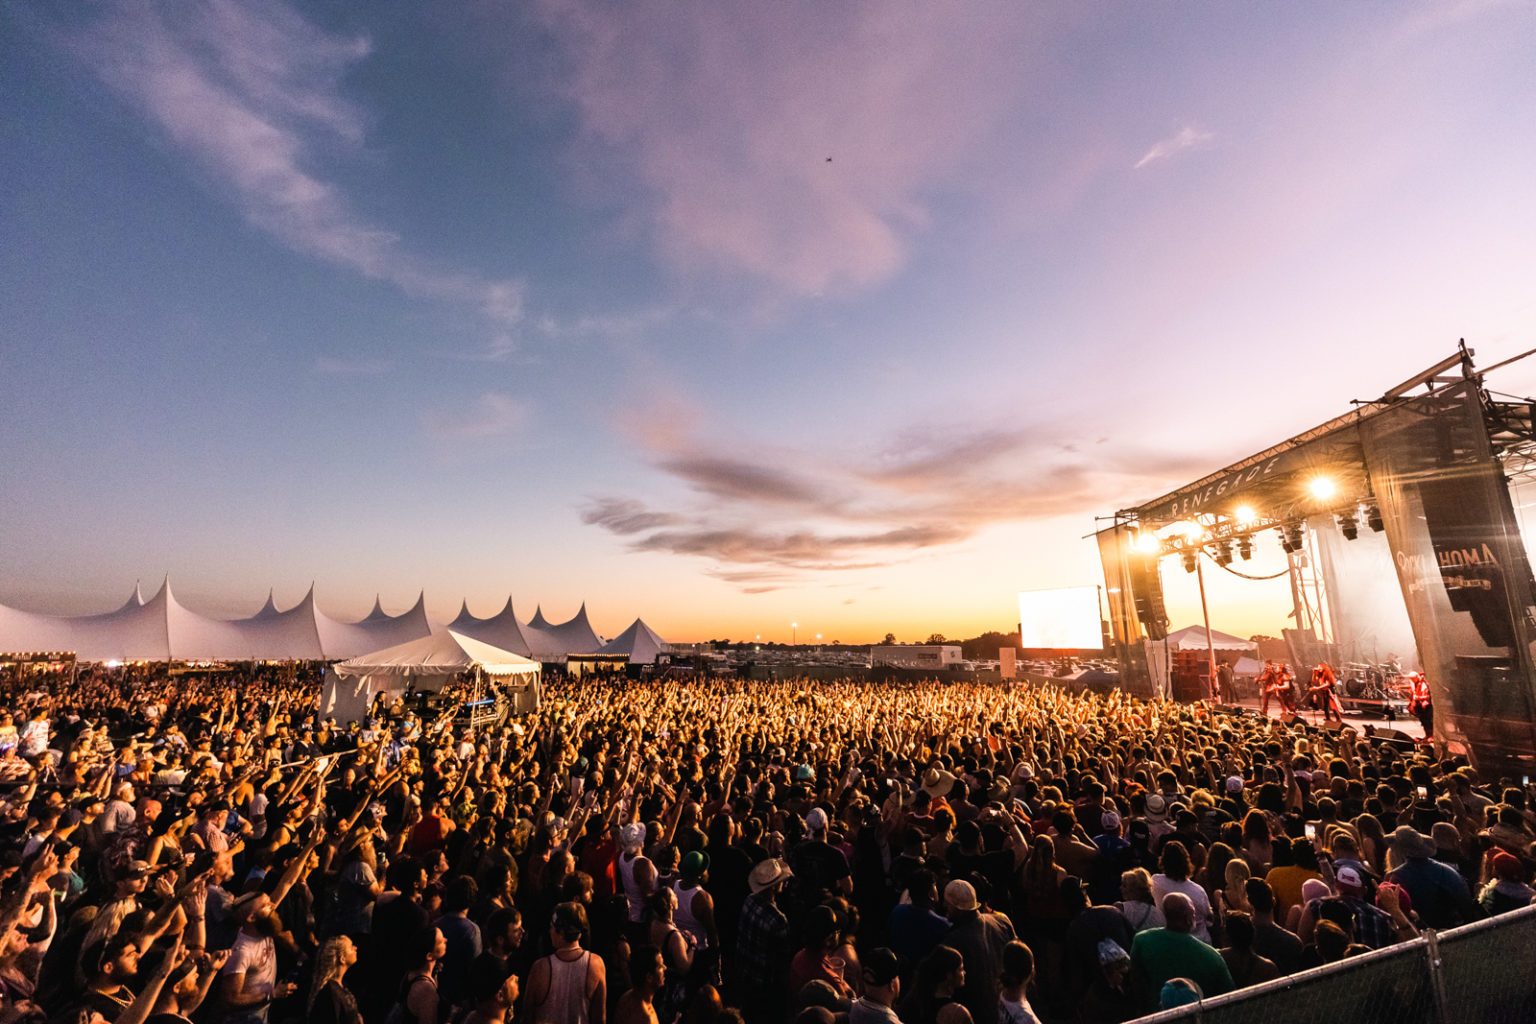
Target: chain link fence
[{"x": 1481, "y": 973}]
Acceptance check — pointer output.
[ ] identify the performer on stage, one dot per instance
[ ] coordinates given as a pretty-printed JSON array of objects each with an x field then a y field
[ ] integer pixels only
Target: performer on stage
[
  {"x": 1226, "y": 684},
  {"x": 1275, "y": 682},
  {"x": 1421, "y": 705},
  {"x": 1320, "y": 694}
]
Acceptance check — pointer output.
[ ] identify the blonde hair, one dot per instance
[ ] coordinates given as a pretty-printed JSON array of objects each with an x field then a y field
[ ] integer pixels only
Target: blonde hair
[{"x": 330, "y": 963}]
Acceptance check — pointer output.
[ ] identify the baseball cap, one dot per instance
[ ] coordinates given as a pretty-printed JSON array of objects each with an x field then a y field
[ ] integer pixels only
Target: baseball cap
[
  {"x": 1110, "y": 821},
  {"x": 816, "y": 821},
  {"x": 960, "y": 895},
  {"x": 1349, "y": 877}
]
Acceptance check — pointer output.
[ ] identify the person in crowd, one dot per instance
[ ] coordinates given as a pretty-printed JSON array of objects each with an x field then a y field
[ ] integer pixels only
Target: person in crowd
[
  {"x": 1246, "y": 966},
  {"x": 979, "y": 937},
  {"x": 330, "y": 1001},
  {"x": 1174, "y": 878},
  {"x": 882, "y": 989},
  {"x": 916, "y": 926},
  {"x": 935, "y": 995},
  {"x": 762, "y": 942},
  {"x": 1440, "y": 895},
  {"x": 1506, "y": 888},
  {"x": 1161, "y": 954},
  {"x": 647, "y": 975},
  {"x": 1018, "y": 970},
  {"x": 569, "y": 986}
]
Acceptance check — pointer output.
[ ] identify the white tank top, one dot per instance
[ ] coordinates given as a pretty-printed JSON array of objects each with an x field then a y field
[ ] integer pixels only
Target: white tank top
[
  {"x": 631, "y": 889},
  {"x": 567, "y": 1000},
  {"x": 683, "y": 915}
]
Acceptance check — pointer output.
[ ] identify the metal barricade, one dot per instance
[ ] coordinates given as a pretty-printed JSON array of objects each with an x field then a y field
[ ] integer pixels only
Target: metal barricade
[{"x": 1481, "y": 973}]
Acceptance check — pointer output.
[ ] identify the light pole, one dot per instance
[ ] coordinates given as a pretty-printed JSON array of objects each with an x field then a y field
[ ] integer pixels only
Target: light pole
[{"x": 794, "y": 633}]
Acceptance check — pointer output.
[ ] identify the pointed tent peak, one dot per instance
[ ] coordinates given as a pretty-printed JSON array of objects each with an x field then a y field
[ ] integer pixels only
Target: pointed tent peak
[
  {"x": 270, "y": 608},
  {"x": 538, "y": 621},
  {"x": 378, "y": 611},
  {"x": 507, "y": 608},
  {"x": 464, "y": 615},
  {"x": 135, "y": 599},
  {"x": 163, "y": 594}
]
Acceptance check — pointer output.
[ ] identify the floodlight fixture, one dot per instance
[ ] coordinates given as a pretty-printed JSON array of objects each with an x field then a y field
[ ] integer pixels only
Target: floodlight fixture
[
  {"x": 1349, "y": 526},
  {"x": 1245, "y": 547},
  {"x": 1189, "y": 559},
  {"x": 1245, "y": 515},
  {"x": 1373, "y": 519},
  {"x": 1321, "y": 487}
]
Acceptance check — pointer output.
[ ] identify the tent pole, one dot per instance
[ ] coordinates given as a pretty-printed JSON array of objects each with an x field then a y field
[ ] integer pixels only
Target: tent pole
[{"x": 1210, "y": 644}]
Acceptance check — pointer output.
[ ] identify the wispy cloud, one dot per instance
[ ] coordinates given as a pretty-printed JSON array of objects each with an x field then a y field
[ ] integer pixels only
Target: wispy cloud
[
  {"x": 250, "y": 93},
  {"x": 491, "y": 415},
  {"x": 1187, "y": 137},
  {"x": 625, "y": 516},
  {"x": 766, "y": 517},
  {"x": 332, "y": 366}
]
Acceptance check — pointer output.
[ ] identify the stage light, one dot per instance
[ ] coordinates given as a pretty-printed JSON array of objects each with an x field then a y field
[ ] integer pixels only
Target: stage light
[
  {"x": 1321, "y": 487},
  {"x": 1245, "y": 548},
  {"x": 1349, "y": 526},
  {"x": 1245, "y": 515},
  {"x": 1373, "y": 519},
  {"x": 1294, "y": 538},
  {"x": 1146, "y": 541},
  {"x": 1224, "y": 552},
  {"x": 1189, "y": 561},
  {"x": 1188, "y": 529}
]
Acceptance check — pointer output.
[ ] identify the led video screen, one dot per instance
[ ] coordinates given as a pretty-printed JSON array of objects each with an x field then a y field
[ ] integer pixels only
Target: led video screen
[{"x": 1066, "y": 618}]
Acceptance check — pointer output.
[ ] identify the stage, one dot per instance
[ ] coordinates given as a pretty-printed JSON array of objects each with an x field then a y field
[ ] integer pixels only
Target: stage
[{"x": 1358, "y": 720}]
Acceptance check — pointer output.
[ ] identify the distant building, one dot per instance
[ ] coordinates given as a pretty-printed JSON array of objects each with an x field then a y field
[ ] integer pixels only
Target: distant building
[{"x": 929, "y": 656}]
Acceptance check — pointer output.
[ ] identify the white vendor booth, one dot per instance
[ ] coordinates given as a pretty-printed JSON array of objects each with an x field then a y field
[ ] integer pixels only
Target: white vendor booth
[{"x": 427, "y": 665}]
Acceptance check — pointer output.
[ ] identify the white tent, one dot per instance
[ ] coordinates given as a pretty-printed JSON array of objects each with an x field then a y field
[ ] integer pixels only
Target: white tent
[
  {"x": 1192, "y": 638},
  {"x": 163, "y": 629},
  {"x": 538, "y": 638},
  {"x": 640, "y": 643},
  {"x": 427, "y": 664}
]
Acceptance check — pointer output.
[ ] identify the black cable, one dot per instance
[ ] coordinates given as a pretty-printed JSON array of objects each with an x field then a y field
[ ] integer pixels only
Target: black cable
[{"x": 1244, "y": 575}]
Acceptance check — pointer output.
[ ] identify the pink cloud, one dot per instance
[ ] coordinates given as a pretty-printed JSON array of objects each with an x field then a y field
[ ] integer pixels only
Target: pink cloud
[{"x": 730, "y": 112}]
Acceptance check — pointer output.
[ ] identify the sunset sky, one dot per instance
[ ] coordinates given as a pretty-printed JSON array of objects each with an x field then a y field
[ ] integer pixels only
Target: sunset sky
[{"x": 727, "y": 315}]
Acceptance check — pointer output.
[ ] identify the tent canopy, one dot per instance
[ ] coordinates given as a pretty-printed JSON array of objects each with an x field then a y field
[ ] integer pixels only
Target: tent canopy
[
  {"x": 1192, "y": 638},
  {"x": 639, "y": 643},
  {"x": 425, "y": 665},
  {"x": 441, "y": 654}
]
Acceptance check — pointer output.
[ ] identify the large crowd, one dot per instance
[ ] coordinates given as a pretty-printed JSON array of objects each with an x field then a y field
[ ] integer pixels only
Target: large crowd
[{"x": 210, "y": 849}]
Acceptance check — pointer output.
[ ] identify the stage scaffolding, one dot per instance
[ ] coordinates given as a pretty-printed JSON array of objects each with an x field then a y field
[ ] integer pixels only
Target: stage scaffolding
[{"x": 1403, "y": 546}]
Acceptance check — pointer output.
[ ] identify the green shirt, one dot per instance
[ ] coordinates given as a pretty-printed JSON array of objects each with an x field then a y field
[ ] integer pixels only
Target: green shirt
[{"x": 1159, "y": 955}]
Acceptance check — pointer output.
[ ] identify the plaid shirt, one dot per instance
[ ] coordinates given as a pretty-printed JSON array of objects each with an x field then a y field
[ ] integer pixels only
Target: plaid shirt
[
  {"x": 1373, "y": 926},
  {"x": 762, "y": 942}
]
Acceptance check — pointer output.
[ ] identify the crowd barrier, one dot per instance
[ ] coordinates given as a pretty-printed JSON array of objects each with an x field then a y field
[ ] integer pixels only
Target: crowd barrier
[{"x": 1480, "y": 973}]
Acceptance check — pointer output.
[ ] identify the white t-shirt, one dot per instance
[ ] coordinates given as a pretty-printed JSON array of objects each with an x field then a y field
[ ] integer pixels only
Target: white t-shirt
[
  {"x": 1162, "y": 885},
  {"x": 256, "y": 958}
]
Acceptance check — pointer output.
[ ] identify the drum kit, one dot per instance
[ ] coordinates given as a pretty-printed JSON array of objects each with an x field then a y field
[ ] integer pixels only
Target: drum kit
[{"x": 1381, "y": 686}]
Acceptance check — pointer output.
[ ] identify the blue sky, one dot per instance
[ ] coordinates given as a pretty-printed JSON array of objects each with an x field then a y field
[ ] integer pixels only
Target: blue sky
[{"x": 728, "y": 315}]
